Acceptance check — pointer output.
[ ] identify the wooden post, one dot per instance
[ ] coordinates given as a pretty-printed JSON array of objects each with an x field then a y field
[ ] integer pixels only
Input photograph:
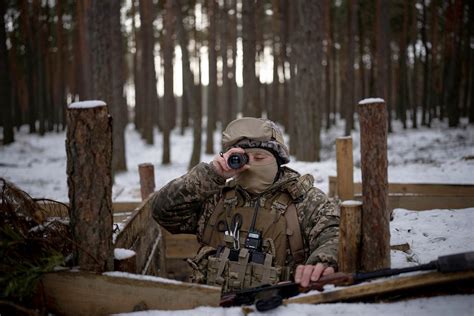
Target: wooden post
[
  {"x": 375, "y": 247},
  {"x": 349, "y": 236},
  {"x": 147, "y": 179},
  {"x": 89, "y": 179},
  {"x": 345, "y": 166},
  {"x": 147, "y": 187},
  {"x": 125, "y": 260}
]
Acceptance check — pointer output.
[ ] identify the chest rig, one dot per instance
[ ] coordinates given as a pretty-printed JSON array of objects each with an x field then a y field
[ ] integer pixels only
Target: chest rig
[{"x": 250, "y": 241}]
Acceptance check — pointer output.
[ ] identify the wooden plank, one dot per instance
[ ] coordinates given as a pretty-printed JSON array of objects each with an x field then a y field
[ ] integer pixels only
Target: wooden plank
[
  {"x": 430, "y": 189},
  {"x": 61, "y": 210},
  {"x": 181, "y": 246},
  {"x": 397, "y": 284},
  {"x": 81, "y": 293},
  {"x": 422, "y": 203}
]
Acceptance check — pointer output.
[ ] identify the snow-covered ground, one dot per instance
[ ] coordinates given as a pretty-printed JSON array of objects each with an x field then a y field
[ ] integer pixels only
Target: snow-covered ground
[{"x": 437, "y": 155}]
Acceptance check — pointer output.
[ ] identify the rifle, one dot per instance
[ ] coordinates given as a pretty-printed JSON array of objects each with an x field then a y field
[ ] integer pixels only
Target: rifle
[{"x": 267, "y": 297}]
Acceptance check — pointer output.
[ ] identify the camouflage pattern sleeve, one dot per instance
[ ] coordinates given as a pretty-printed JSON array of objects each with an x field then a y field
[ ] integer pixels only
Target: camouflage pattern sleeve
[
  {"x": 179, "y": 204},
  {"x": 319, "y": 220}
]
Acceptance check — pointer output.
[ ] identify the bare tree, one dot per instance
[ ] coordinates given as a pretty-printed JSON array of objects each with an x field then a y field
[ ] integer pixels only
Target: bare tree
[
  {"x": 189, "y": 90},
  {"x": 250, "y": 89},
  {"x": 308, "y": 57},
  {"x": 212, "y": 88},
  {"x": 382, "y": 52},
  {"x": 147, "y": 69},
  {"x": 5, "y": 88},
  {"x": 168, "y": 107}
]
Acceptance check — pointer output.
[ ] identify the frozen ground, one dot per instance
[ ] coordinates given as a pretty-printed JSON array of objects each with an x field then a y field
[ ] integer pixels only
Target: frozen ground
[{"x": 437, "y": 155}]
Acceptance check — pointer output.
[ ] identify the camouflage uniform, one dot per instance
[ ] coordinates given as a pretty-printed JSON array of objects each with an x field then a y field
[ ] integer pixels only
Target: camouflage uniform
[{"x": 185, "y": 205}]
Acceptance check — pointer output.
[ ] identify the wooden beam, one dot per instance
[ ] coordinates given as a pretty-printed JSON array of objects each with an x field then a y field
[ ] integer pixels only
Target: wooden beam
[
  {"x": 385, "y": 286},
  {"x": 81, "y": 293},
  {"x": 431, "y": 189}
]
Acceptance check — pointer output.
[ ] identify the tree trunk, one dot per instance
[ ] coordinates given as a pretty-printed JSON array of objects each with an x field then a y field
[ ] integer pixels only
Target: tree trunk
[
  {"x": 89, "y": 156},
  {"x": 284, "y": 31},
  {"x": 350, "y": 93},
  {"x": 275, "y": 106},
  {"x": 452, "y": 72},
  {"x": 328, "y": 82},
  {"x": 435, "y": 80},
  {"x": 25, "y": 21},
  {"x": 403, "y": 75},
  {"x": 150, "y": 97},
  {"x": 188, "y": 88},
  {"x": 117, "y": 103},
  {"x": 226, "y": 108},
  {"x": 375, "y": 248},
  {"x": 250, "y": 88},
  {"x": 83, "y": 63},
  {"x": 107, "y": 69},
  {"x": 382, "y": 53},
  {"x": 212, "y": 88},
  {"x": 167, "y": 121},
  {"x": 5, "y": 87},
  {"x": 60, "y": 67},
  {"x": 414, "y": 35},
  {"x": 426, "y": 69},
  {"x": 137, "y": 72},
  {"x": 308, "y": 55},
  {"x": 471, "y": 75}
]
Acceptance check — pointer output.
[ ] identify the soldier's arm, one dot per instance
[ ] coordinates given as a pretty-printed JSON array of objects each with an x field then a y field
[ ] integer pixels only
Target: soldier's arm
[
  {"x": 320, "y": 225},
  {"x": 178, "y": 205}
]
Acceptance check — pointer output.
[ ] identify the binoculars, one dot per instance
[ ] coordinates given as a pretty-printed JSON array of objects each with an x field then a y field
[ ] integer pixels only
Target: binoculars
[{"x": 237, "y": 160}]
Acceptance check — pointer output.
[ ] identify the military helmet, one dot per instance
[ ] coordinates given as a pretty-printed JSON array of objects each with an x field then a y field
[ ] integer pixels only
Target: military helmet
[{"x": 251, "y": 132}]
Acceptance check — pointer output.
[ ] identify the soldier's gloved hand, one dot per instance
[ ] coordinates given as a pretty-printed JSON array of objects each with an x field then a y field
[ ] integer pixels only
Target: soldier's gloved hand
[
  {"x": 220, "y": 163},
  {"x": 305, "y": 274}
]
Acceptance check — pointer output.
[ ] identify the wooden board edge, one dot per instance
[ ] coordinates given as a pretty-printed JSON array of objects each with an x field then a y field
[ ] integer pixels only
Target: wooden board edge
[
  {"x": 82, "y": 293},
  {"x": 365, "y": 290}
]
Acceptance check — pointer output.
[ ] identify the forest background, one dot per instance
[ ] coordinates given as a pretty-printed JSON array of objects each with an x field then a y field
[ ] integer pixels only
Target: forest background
[{"x": 174, "y": 64}]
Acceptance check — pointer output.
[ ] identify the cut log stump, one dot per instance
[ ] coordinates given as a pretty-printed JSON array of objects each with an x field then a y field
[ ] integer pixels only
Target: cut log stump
[{"x": 89, "y": 178}]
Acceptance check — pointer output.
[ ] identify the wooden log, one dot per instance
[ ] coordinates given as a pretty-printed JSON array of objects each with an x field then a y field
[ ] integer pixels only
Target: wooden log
[
  {"x": 375, "y": 246},
  {"x": 125, "y": 263},
  {"x": 429, "y": 189},
  {"x": 345, "y": 168},
  {"x": 349, "y": 236},
  {"x": 80, "y": 293},
  {"x": 400, "y": 285},
  {"x": 147, "y": 179},
  {"x": 89, "y": 178}
]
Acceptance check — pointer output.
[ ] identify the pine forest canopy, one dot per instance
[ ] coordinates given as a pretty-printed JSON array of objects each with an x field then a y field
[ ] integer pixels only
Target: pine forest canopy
[{"x": 170, "y": 63}]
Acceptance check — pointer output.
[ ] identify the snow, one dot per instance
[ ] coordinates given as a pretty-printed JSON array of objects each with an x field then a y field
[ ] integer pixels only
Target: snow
[
  {"x": 349, "y": 203},
  {"x": 87, "y": 104},
  {"x": 127, "y": 275},
  {"x": 371, "y": 100},
  {"x": 122, "y": 254},
  {"x": 425, "y": 155}
]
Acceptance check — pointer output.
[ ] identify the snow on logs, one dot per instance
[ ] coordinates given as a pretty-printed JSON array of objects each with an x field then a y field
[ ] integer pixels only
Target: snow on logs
[
  {"x": 375, "y": 242},
  {"x": 89, "y": 178}
]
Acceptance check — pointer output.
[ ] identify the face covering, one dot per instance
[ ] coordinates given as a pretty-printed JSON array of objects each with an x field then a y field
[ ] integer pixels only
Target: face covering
[{"x": 257, "y": 178}]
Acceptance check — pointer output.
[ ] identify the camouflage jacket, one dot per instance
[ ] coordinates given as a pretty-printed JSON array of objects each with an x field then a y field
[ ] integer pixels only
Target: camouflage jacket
[{"x": 185, "y": 204}]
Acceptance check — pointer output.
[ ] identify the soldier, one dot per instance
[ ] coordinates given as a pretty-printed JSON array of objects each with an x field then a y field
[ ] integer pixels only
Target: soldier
[{"x": 255, "y": 218}]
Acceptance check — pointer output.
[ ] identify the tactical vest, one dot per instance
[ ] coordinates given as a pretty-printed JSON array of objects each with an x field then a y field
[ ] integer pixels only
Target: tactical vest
[{"x": 225, "y": 262}]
